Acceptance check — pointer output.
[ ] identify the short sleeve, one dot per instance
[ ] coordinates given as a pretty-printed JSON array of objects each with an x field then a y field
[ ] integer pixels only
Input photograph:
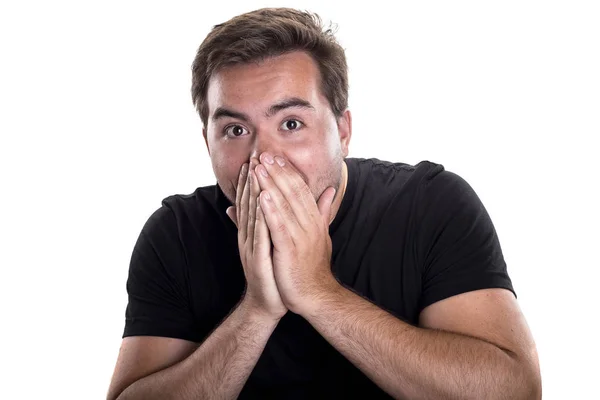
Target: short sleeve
[
  {"x": 158, "y": 300},
  {"x": 457, "y": 241}
]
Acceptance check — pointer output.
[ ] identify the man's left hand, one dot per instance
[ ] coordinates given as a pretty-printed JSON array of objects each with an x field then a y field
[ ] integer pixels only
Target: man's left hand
[{"x": 299, "y": 229}]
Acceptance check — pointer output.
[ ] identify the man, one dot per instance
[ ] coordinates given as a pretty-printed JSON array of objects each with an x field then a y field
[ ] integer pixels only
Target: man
[{"x": 307, "y": 274}]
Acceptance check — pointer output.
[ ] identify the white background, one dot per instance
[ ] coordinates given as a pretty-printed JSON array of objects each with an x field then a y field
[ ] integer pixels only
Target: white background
[{"x": 97, "y": 127}]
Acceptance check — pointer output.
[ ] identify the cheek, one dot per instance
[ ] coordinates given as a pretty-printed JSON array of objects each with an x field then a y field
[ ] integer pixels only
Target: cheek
[
  {"x": 227, "y": 175},
  {"x": 317, "y": 155},
  {"x": 314, "y": 163},
  {"x": 227, "y": 168}
]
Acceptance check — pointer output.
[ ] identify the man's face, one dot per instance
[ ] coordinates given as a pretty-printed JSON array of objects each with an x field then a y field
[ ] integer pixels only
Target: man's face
[{"x": 242, "y": 123}]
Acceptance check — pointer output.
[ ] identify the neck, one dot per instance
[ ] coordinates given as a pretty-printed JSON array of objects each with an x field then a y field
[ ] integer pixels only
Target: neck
[{"x": 339, "y": 195}]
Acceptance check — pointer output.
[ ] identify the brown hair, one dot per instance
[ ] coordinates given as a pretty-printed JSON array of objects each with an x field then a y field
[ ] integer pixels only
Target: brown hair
[{"x": 269, "y": 32}]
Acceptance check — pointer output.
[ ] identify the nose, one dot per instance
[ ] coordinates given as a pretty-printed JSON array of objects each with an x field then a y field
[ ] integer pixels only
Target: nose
[{"x": 263, "y": 143}]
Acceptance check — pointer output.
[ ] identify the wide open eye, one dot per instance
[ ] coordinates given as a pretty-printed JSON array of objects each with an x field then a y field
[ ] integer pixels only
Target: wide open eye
[
  {"x": 235, "y": 130},
  {"x": 291, "y": 125}
]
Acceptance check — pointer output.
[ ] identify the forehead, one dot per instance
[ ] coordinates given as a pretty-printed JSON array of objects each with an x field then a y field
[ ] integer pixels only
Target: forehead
[{"x": 256, "y": 84}]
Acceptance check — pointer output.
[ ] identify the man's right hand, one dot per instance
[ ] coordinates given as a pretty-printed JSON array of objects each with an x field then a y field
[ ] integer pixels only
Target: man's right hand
[{"x": 254, "y": 243}]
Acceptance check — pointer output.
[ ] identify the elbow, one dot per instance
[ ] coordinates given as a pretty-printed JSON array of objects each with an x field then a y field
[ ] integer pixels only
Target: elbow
[
  {"x": 116, "y": 394},
  {"x": 112, "y": 396},
  {"x": 531, "y": 381},
  {"x": 534, "y": 387},
  {"x": 526, "y": 389},
  {"x": 535, "y": 379},
  {"x": 532, "y": 391}
]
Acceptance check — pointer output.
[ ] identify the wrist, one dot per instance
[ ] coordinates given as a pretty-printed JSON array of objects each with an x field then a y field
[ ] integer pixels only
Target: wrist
[
  {"x": 256, "y": 313},
  {"x": 330, "y": 293}
]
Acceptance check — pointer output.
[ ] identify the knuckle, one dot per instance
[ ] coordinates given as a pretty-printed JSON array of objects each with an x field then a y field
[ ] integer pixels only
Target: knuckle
[
  {"x": 297, "y": 190},
  {"x": 280, "y": 228},
  {"x": 286, "y": 208}
]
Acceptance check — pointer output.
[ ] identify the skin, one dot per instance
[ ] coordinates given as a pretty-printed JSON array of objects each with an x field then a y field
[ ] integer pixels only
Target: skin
[
  {"x": 294, "y": 183},
  {"x": 316, "y": 146},
  {"x": 474, "y": 345}
]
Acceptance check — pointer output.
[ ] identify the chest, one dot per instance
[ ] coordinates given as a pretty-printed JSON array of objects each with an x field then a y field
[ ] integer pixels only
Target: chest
[{"x": 379, "y": 262}]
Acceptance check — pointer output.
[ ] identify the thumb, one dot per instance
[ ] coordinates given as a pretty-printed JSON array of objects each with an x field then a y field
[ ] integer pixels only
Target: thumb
[
  {"x": 325, "y": 202},
  {"x": 232, "y": 215}
]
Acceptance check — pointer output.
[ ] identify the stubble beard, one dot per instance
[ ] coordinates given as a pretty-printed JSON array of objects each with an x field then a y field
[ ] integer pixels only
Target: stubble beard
[{"x": 332, "y": 177}]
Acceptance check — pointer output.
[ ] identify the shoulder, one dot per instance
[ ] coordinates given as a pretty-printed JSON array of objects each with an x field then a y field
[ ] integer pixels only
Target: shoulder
[
  {"x": 372, "y": 165},
  {"x": 181, "y": 214},
  {"x": 203, "y": 204},
  {"x": 427, "y": 189},
  {"x": 369, "y": 172},
  {"x": 441, "y": 190},
  {"x": 201, "y": 197}
]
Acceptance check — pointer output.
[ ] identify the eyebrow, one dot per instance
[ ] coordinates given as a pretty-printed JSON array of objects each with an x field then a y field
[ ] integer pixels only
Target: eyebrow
[{"x": 291, "y": 102}]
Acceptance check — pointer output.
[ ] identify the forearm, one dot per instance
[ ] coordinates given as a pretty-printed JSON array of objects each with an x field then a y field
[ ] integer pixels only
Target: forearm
[
  {"x": 415, "y": 363},
  {"x": 218, "y": 369}
]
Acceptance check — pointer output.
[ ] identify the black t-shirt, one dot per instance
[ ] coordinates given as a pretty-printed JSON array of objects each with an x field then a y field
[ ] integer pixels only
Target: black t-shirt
[{"x": 404, "y": 237}]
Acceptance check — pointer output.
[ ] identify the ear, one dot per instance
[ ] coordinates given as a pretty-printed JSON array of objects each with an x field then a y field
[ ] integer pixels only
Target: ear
[
  {"x": 324, "y": 204},
  {"x": 345, "y": 130},
  {"x": 232, "y": 214},
  {"x": 205, "y": 140}
]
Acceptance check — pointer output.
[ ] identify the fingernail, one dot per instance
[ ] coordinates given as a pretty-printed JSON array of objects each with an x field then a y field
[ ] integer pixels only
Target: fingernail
[
  {"x": 267, "y": 158},
  {"x": 280, "y": 161},
  {"x": 263, "y": 171}
]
